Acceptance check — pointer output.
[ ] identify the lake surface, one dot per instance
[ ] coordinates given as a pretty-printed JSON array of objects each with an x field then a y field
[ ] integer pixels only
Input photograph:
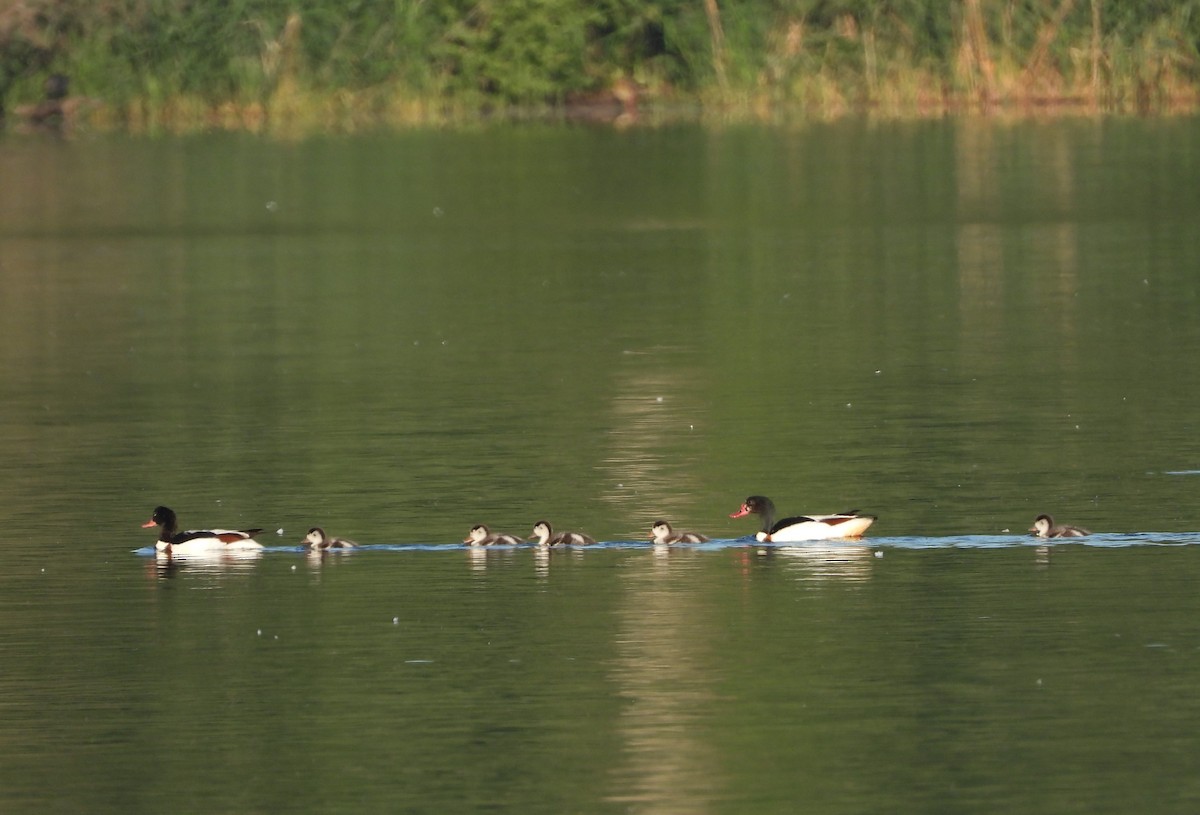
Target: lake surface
[{"x": 954, "y": 325}]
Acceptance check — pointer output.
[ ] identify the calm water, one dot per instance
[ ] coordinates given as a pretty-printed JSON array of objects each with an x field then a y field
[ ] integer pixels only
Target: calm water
[{"x": 953, "y": 325}]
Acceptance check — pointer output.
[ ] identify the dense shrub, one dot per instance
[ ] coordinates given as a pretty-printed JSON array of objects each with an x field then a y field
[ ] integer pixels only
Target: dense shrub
[{"x": 488, "y": 52}]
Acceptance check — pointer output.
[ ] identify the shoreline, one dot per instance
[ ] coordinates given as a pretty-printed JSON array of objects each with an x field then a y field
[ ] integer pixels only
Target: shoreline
[{"x": 344, "y": 112}]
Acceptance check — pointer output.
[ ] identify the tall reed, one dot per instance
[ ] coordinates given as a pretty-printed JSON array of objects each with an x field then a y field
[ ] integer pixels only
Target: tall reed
[{"x": 348, "y": 63}]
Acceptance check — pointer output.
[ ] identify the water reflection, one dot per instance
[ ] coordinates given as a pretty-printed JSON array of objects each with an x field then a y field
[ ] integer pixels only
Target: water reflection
[
  {"x": 981, "y": 282},
  {"x": 664, "y": 673},
  {"x": 663, "y": 553},
  {"x": 166, "y": 566},
  {"x": 477, "y": 557},
  {"x": 852, "y": 564},
  {"x": 991, "y": 253},
  {"x": 816, "y": 562},
  {"x": 318, "y": 559},
  {"x": 482, "y": 557},
  {"x": 1042, "y": 557},
  {"x": 657, "y": 413}
]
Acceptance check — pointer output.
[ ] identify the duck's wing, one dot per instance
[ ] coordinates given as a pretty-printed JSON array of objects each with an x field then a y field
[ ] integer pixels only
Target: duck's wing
[
  {"x": 798, "y": 519},
  {"x": 224, "y": 535}
]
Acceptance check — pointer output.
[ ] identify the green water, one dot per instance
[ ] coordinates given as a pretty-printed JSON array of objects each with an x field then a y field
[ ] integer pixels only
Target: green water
[{"x": 953, "y": 325}]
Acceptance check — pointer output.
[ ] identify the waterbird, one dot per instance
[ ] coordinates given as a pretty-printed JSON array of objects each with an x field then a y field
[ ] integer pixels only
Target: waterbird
[
  {"x": 318, "y": 541},
  {"x": 848, "y": 524},
  {"x": 480, "y": 535},
  {"x": 1044, "y": 527},
  {"x": 198, "y": 540},
  {"x": 544, "y": 534},
  {"x": 661, "y": 532}
]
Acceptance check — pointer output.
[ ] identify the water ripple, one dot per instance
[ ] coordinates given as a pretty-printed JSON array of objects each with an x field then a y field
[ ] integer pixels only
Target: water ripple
[{"x": 1109, "y": 540}]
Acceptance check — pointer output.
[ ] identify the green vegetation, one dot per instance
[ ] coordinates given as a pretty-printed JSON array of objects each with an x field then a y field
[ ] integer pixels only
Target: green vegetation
[{"x": 345, "y": 63}]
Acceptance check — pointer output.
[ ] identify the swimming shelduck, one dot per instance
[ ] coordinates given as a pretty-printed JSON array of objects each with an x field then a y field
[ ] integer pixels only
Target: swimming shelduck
[
  {"x": 1044, "y": 527},
  {"x": 545, "y": 536},
  {"x": 193, "y": 541},
  {"x": 803, "y": 527},
  {"x": 661, "y": 532},
  {"x": 318, "y": 541},
  {"x": 480, "y": 535}
]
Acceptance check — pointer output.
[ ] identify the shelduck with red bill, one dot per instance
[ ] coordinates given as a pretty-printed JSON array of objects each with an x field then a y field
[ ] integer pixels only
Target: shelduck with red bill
[
  {"x": 802, "y": 527},
  {"x": 193, "y": 541}
]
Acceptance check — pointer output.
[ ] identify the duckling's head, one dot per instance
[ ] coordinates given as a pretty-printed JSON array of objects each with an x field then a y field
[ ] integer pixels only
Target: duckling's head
[
  {"x": 542, "y": 531},
  {"x": 315, "y": 536},
  {"x": 661, "y": 529},
  {"x": 1042, "y": 525},
  {"x": 478, "y": 533}
]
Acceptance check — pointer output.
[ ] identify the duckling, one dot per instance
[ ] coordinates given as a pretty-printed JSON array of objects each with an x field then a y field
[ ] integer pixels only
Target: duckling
[
  {"x": 480, "y": 535},
  {"x": 545, "y": 536},
  {"x": 1044, "y": 527},
  {"x": 661, "y": 532},
  {"x": 319, "y": 542}
]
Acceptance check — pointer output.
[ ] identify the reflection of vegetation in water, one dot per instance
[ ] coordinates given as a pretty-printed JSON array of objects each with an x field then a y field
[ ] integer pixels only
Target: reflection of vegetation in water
[{"x": 339, "y": 63}]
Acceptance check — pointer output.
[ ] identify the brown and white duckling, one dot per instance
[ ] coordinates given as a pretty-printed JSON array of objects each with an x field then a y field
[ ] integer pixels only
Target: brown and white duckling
[
  {"x": 803, "y": 527},
  {"x": 194, "y": 541},
  {"x": 480, "y": 535},
  {"x": 318, "y": 541},
  {"x": 1044, "y": 527},
  {"x": 661, "y": 532},
  {"x": 545, "y": 536}
]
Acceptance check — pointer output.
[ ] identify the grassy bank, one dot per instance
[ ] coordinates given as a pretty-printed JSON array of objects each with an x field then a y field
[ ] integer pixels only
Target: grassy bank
[{"x": 343, "y": 64}]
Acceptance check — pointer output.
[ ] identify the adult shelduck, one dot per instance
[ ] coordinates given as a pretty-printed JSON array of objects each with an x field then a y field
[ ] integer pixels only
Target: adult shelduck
[
  {"x": 198, "y": 540},
  {"x": 803, "y": 527},
  {"x": 544, "y": 534},
  {"x": 1044, "y": 527},
  {"x": 480, "y": 535},
  {"x": 318, "y": 541},
  {"x": 661, "y": 532}
]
